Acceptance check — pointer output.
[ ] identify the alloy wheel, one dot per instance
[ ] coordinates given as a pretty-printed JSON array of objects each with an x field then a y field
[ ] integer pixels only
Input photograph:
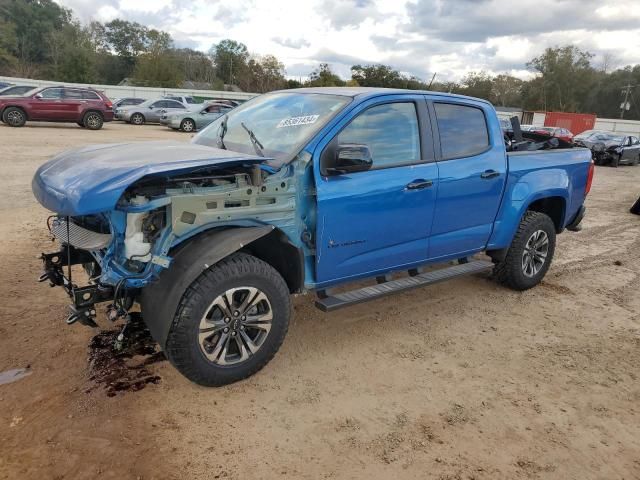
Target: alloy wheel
[
  {"x": 15, "y": 118},
  {"x": 535, "y": 253},
  {"x": 187, "y": 126},
  {"x": 93, "y": 120},
  {"x": 235, "y": 326}
]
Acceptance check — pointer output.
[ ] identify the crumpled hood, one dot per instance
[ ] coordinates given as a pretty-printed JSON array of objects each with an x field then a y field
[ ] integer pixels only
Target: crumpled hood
[{"x": 92, "y": 179}]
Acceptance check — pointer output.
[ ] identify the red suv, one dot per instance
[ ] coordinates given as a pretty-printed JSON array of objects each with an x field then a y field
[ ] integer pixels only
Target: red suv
[{"x": 88, "y": 108}]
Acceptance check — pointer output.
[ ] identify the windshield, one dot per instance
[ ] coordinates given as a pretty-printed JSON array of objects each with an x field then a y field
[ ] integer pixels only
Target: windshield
[
  {"x": 615, "y": 139},
  {"x": 281, "y": 122}
]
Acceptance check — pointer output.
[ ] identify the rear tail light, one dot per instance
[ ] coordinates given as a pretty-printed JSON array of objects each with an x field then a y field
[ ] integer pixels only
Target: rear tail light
[
  {"x": 589, "y": 177},
  {"x": 108, "y": 104}
]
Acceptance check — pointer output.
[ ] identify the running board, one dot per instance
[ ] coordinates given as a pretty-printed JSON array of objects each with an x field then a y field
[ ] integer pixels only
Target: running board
[{"x": 330, "y": 303}]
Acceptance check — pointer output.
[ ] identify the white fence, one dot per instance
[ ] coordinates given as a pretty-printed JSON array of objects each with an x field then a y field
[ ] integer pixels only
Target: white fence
[
  {"x": 116, "y": 91},
  {"x": 625, "y": 127}
]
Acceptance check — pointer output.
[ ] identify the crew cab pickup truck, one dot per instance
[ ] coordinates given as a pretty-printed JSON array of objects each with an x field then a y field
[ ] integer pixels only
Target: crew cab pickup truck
[
  {"x": 295, "y": 191},
  {"x": 84, "y": 106}
]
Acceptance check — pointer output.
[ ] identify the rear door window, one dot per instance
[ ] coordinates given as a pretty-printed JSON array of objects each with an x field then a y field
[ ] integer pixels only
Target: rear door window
[
  {"x": 463, "y": 130},
  {"x": 89, "y": 95}
]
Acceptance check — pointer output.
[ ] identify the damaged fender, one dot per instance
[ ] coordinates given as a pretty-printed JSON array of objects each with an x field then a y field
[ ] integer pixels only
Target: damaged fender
[{"x": 159, "y": 300}]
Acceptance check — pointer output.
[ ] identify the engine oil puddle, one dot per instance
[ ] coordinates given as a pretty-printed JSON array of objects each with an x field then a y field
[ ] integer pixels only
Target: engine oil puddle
[
  {"x": 13, "y": 375},
  {"x": 125, "y": 369}
]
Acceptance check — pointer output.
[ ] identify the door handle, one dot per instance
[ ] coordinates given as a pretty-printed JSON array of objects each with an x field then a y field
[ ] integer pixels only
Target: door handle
[
  {"x": 489, "y": 174},
  {"x": 419, "y": 185}
]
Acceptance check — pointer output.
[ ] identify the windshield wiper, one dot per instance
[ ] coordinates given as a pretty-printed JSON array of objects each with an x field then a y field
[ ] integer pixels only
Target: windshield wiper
[
  {"x": 257, "y": 146},
  {"x": 222, "y": 132}
]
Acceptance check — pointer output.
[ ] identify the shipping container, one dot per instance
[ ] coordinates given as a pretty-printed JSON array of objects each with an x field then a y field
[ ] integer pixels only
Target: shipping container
[{"x": 575, "y": 122}]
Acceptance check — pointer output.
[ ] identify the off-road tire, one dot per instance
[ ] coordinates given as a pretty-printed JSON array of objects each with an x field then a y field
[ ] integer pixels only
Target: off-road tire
[
  {"x": 14, "y": 117},
  {"x": 93, "y": 120},
  {"x": 183, "y": 345},
  {"x": 509, "y": 271}
]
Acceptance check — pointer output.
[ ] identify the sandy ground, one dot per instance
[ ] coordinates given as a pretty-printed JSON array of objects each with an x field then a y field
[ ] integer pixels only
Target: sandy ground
[{"x": 463, "y": 380}]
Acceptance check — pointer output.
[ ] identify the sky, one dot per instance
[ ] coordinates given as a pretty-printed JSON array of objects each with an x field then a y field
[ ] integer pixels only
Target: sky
[{"x": 418, "y": 37}]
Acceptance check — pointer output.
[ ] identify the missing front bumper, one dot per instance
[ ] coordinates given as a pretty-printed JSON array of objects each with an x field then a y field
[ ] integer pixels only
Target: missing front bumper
[{"x": 82, "y": 308}]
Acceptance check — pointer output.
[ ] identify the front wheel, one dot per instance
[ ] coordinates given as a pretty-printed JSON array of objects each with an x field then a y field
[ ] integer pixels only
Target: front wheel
[
  {"x": 530, "y": 253},
  {"x": 230, "y": 322},
  {"x": 137, "y": 119},
  {"x": 14, "y": 117}
]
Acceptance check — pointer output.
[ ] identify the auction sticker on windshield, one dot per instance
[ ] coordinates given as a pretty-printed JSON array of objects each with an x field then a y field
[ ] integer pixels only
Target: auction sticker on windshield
[{"x": 294, "y": 121}]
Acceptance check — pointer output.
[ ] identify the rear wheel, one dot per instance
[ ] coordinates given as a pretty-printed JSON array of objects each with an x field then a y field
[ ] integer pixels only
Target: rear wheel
[
  {"x": 635, "y": 161},
  {"x": 93, "y": 120},
  {"x": 14, "y": 117},
  {"x": 530, "y": 253},
  {"x": 137, "y": 119},
  {"x": 187, "y": 125},
  {"x": 230, "y": 322}
]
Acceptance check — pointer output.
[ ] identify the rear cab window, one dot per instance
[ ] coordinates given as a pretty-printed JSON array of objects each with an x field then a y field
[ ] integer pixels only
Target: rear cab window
[{"x": 463, "y": 130}]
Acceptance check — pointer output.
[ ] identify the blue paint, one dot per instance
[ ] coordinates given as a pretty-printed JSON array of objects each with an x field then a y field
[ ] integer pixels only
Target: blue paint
[{"x": 360, "y": 224}]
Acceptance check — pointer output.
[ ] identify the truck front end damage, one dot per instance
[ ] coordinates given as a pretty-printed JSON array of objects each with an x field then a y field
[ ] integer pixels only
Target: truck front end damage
[{"x": 119, "y": 251}]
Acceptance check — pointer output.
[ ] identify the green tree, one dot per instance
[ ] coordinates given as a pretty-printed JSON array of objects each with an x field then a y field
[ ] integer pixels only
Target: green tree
[
  {"x": 377, "y": 76},
  {"x": 230, "y": 59},
  {"x": 33, "y": 21},
  {"x": 323, "y": 76},
  {"x": 566, "y": 77},
  {"x": 476, "y": 84},
  {"x": 71, "y": 55},
  {"x": 506, "y": 91}
]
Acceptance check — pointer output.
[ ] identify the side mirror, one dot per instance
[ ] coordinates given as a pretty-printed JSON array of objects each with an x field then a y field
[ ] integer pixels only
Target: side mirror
[
  {"x": 350, "y": 158},
  {"x": 38, "y": 96}
]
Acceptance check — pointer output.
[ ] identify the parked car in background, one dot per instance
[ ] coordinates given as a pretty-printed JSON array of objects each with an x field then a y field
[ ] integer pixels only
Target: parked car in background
[
  {"x": 149, "y": 111},
  {"x": 561, "y": 133},
  {"x": 610, "y": 148},
  {"x": 16, "y": 90},
  {"x": 185, "y": 100},
  {"x": 128, "y": 101},
  {"x": 86, "y": 107},
  {"x": 589, "y": 138},
  {"x": 192, "y": 120}
]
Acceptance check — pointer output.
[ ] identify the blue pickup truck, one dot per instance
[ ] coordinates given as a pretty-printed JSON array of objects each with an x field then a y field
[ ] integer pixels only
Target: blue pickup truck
[{"x": 295, "y": 191}]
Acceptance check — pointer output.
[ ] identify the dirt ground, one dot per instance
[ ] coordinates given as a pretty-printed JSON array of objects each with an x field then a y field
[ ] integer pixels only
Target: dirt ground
[{"x": 462, "y": 380}]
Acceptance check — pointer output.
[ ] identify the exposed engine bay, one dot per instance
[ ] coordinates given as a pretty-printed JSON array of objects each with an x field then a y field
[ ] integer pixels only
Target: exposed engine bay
[{"x": 123, "y": 250}]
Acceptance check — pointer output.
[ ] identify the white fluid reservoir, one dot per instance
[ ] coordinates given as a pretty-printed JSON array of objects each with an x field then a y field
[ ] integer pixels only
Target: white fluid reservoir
[{"x": 134, "y": 244}]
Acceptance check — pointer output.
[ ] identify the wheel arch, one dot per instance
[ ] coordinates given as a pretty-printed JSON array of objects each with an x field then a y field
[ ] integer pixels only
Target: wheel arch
[
  {"x": 160, "y": 299},
  {"x": 24, "y": 110},
  {"x": 554, "y": 207}
]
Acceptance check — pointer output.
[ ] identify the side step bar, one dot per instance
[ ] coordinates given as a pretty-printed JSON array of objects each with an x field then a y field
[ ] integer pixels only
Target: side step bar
[{"x": 329, "y": 303}]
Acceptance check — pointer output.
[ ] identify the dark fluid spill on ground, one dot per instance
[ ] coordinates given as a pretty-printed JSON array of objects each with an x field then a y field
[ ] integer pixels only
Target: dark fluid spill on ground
[{"x": 125, "y": 370}]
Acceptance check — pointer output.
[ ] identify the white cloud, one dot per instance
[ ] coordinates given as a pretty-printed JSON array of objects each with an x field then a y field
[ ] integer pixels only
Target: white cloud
[{"x": 418, "y": 37}]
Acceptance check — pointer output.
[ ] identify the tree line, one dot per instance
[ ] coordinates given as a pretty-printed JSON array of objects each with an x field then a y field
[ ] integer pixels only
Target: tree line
[{"x": 40, "y": 39}]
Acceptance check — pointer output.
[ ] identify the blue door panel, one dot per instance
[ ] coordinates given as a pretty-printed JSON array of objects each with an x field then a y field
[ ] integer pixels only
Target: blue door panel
[
  {"x": 369, "y": 222},
  {"x": 467, "y": 204}
]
